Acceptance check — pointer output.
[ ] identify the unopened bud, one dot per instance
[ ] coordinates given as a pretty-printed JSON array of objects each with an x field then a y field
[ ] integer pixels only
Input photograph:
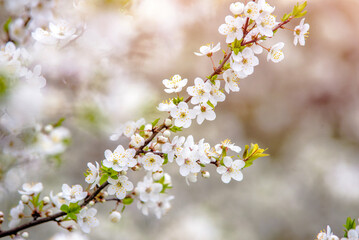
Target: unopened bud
[
  {"x": 1, "y": 214},
  {"x": 168, "y": 122},
  {"x": 48, "y": 128},
  {"x": 115, "y": 216},
  {"x": 91, "y": 203},
  {"x": 157, "y": 147},
  {"x": 205, "y": 174},
  {"x": 167, "y": 179},
  {"x": 162, "y": 139},
  {"x": 123, "y": 172},
  {"x": 48, "y": 213},
  {"x": 157, "y": 176},
  {"x": 135, "y": 168},
  {"x": 1, "y": 220},
  {"x": 25, "y": 235},
  {"x": 167, "y": 133},
  {"x": 105, "y": 194},
  {"x": 46, "y": 200},
  {"x": 25, "y": 198}
]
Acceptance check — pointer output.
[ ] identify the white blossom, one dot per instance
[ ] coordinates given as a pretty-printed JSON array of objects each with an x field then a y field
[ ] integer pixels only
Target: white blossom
[
  {"x": 204, "y": 111},
  {"x": 137, "y": 141},
  {"x": 149, "y": 190},
  {"x": 244, "y": 61},
  {"x": 62, "y": 30},
  {"x": 16, "y": 214},
  {"x": 231, "y": 169},
  {"x": 31, "y": 188},
  {"x": 93, "y": 176},
  {"x": 231, "y": 79},
  {"x": 301, "y": 32},
  {"x": 208, "y": 50},
  {"x": 120, "y": 159},
  {"x": 73, "y": 194},
  {"x": 216, "y": 95},
  {"x": 163, "y": 205},
  {"x": 151, "y": 162},
  {"x": 174, "y": 84},
  {"x": 232, "y": 28},
  {"x": 200, "y": 91},
  {"x": 182, "y": 115},
  {"x": 86, "y": 219},
  {"x": 252, "y": 10},
  {"x": 173, "y": 148},
  {"x": 275, "y": 53},
  {"x": 166, "y": 106},
  {"x": 187, "y": 162},
  {"x": 265, "y": 8},
  {"x": 265, "y": 25},
  {"x": 119, "y": 187},
  {"x": 44, "y": 37}
]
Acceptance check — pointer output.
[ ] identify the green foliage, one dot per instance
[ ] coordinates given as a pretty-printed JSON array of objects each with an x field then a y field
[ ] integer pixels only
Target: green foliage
[
  {"x": 59, "y": 122},
  {"x": 142, "y": 131},
  {"x": 35, "y": 200},
  {"x": 298, "y": 12},
  {"x": 213, "y": 79},
  {"x": 165, "y": 157},
  {"x": 154, "y": 123},
  {"x": 71, "y": 210},
  {"x": 127, "y": 201},
  {"x": 106, "y": 173},
  {"x": 176, "y": 101},
  {"x": 6, "y": 84},
  {"x": 7, "y": 24},
  {"x": 350, "y": 224},
  {"x": 210, "y": 104},
  {"x": 164, "y": 185},
  {"x": 252, "y": 153},
  {"x": 236, "y": 46},
  {"x": 175, "y": 129},
  {"x": 226, "y": 66}
]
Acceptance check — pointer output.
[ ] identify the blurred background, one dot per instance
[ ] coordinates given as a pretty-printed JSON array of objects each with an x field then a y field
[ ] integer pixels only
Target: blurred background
[{"x": 305, "y": 110}]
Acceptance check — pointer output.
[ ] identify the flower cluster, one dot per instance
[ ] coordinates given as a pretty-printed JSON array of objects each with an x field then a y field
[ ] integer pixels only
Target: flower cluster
[
  {"x": 41, "y": 20},
  {"x": 351, "y": 232},
  {"x": 150, "y": 146}
]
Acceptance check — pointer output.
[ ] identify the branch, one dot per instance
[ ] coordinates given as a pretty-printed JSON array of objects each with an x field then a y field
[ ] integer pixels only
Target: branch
[{"x": 87, "y": 200}]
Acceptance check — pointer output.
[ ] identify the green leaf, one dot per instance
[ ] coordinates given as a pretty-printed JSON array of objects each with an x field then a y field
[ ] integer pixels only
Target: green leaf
[
  {"x": 176, "y": 101},
  {"x": 142, "y": 131},
  {"x": 302, "y": 14},
  {"x": 286, "y": 17},
  {"x": 103, "y": 178},
  {"x": 7, "y": 24},
  {"x": 226, "y": 66},
  {"x": 127, "y": 201},
  {"x": 236, "y": 51},
  {"x": 58, "y": 123},
  {"x": 210, "y": 104},
  {"x": 175, "y": 129},
  {"x": 64, "y": 208},
  {"x": 74, "y": 207},
  {"x": 165, "y": 156},
  {"x": 254, "y": 153},
  {"x": 154, "y": 123},
  {"x": 72, "y": 216},
  {"x": 165, "y": 187}
]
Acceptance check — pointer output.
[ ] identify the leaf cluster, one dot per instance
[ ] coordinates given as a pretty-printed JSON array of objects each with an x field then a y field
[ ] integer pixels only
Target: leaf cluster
[
  {"x": 350, "y": 224},
  {"x": 252, "y": 153},
  {"x": 298, "y": 12},
  {"x": 71, "y": 210}
]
